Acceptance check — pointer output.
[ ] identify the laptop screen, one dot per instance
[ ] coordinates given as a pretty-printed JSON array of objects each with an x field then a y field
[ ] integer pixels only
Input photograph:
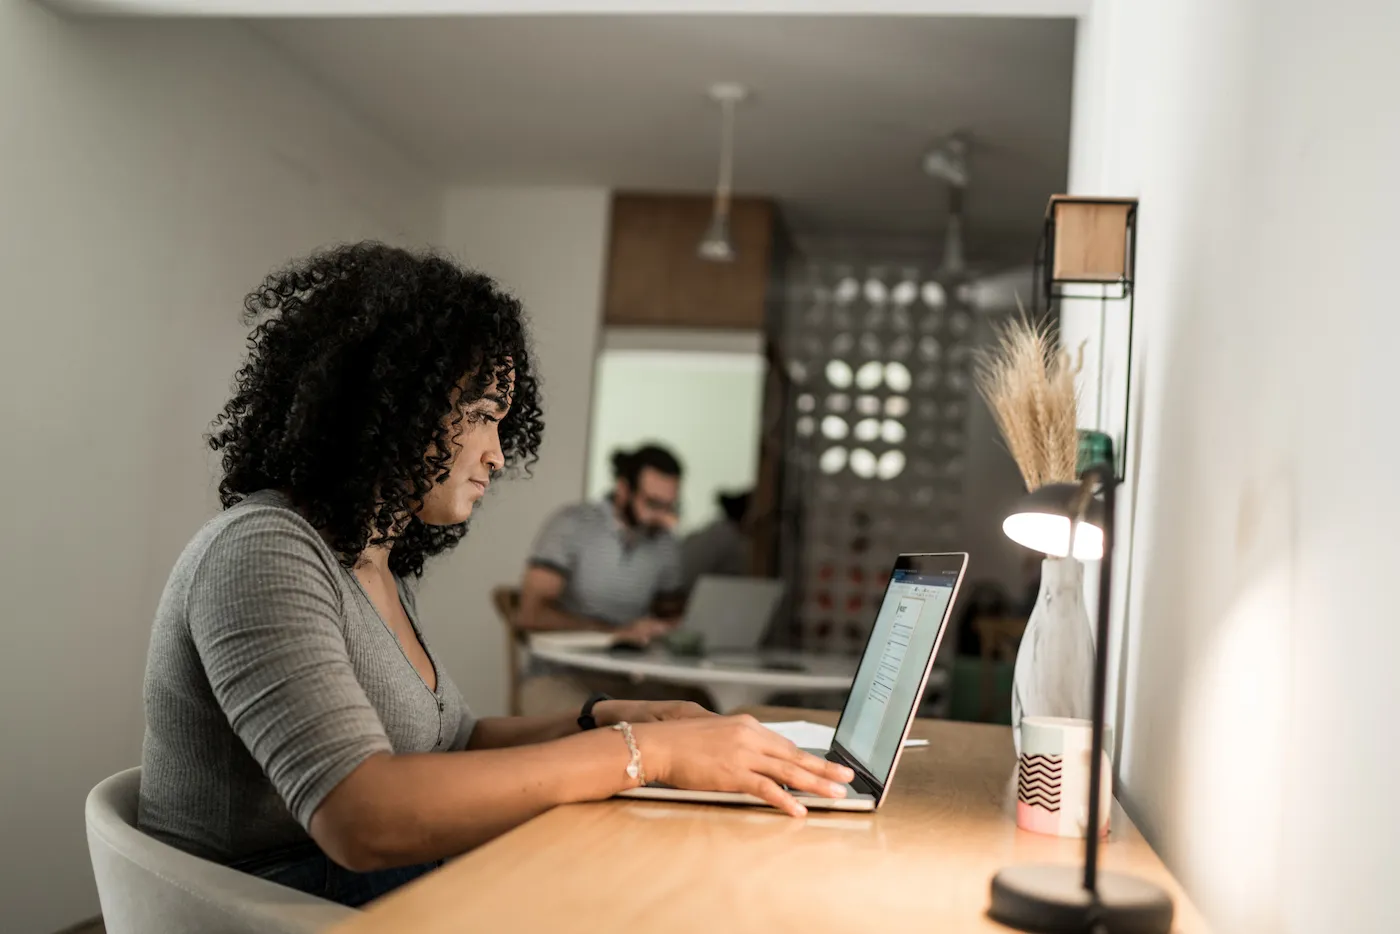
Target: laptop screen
[{"x": 891, "y": 671}]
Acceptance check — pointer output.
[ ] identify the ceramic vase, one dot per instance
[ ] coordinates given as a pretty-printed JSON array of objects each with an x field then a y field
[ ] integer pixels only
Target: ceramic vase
[{"x": 1055, "y": 663}]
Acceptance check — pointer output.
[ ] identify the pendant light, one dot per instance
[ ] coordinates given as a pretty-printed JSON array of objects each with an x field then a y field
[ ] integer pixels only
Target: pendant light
[
  {"x": 716, "y": 246},
  {"x": 997, "y": 290}
]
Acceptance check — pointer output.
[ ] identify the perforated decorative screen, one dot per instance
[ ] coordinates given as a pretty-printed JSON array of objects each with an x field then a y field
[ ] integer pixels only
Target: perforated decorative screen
[{"x": 880, "y": 361}]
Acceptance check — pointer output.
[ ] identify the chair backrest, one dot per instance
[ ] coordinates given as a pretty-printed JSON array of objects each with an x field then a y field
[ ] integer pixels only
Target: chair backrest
[
  {"x": 507, "y": 602},
  {"x": 506, "y": 599},
  {"x": 150, "y": 887}
]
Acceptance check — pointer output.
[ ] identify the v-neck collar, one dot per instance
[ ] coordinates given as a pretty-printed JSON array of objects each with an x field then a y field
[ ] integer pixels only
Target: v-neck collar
[{"x": 412, "y": 614}]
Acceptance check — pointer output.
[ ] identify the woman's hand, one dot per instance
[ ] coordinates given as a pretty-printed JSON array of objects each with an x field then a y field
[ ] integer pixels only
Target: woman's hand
[
  {"x": 736, "y": 754},
  {"x": 615, "y": 711}
]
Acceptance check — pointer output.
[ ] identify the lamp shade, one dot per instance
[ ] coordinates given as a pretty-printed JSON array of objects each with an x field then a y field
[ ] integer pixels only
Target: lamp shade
[
  {"x": 716, "y": 246},
  {"x": 1042, "y": 522}
]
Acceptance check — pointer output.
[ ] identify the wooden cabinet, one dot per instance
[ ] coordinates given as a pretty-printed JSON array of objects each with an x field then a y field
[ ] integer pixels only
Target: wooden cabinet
[{"x": 655, "y": 278}]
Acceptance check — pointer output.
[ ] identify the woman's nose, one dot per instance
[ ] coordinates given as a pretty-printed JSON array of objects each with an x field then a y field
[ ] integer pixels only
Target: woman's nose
[{"x": 494, "y": 457}]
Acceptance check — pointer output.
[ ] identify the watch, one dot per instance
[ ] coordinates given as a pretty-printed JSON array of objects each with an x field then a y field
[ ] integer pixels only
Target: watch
[{"x": 586, "y": 720}]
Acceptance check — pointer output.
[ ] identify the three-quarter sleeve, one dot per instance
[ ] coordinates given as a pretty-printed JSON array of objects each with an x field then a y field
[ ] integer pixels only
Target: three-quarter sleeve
[{"x": 265, "y": 616}]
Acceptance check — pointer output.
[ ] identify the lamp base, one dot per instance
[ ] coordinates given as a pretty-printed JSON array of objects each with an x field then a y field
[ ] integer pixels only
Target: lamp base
[{"x": 1052, "y": 900}]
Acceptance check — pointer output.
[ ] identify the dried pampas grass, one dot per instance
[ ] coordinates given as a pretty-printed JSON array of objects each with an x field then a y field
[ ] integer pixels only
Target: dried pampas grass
[{"x": 1029, "y": 384}]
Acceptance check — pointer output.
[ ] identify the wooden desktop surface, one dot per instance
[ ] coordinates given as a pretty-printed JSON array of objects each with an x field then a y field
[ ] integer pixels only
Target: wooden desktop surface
[{"x": 922, "y": 863}]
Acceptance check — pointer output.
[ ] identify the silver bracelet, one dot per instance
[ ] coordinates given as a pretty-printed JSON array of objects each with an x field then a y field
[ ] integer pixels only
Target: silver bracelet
[{"x": 634, "y": 768}]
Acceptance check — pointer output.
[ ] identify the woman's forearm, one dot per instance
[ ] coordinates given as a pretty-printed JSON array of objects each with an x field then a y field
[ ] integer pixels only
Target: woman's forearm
[
  {"x": 401, "y": 810},
  {"x": 504, "y": 732}
]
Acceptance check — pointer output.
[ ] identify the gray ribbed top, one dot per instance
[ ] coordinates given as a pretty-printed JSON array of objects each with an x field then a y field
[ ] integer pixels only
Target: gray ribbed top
[{"x": 270, "y": 678}]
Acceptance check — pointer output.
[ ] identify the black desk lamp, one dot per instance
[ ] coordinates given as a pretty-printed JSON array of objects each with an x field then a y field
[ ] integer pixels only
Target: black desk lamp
[{"x": 1058, "y": 520}]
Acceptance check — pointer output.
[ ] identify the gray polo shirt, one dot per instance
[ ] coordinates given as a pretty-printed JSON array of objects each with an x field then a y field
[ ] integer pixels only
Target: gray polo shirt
[
  {"x": 609, "y": 577},
  {"x": 270, "y": 678}
]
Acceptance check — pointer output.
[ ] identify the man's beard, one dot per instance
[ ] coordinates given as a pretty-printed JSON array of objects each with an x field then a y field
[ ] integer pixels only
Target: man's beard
[{"x": 631, "y": 520}]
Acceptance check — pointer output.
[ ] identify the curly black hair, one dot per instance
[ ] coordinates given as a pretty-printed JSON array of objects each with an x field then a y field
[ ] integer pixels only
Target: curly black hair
[
  {"x": 628, "y": 465},
  {"x": 359, "y": 364}
]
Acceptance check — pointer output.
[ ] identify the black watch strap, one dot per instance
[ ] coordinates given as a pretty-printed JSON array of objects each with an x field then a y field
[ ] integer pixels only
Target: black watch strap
[{"x": 586, "y": 720}]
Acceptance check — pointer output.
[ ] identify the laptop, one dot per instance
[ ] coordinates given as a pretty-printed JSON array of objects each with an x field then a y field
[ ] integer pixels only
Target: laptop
[
  {"x": 732, "y": 613},
  {"x": 885, "y": 694}
]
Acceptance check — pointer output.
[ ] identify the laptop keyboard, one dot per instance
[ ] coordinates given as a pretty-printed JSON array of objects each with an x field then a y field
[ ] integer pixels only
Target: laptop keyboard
[{"x": 851, "y": 791}]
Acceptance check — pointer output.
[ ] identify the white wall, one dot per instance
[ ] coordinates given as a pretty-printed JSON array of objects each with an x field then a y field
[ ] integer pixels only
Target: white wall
[
  {"x": 547, "y": 246},
  {"x": 1260, "y": 640},
  {"x": 149, "y": 176}
]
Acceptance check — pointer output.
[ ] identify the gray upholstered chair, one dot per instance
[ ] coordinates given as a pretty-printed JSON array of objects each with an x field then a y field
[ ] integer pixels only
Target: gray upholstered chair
[{"x": 149, "y": 887}]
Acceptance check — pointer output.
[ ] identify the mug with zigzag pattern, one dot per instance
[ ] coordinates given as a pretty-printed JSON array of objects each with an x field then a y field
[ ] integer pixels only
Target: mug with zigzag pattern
[{"x": 1052, "y": 777}]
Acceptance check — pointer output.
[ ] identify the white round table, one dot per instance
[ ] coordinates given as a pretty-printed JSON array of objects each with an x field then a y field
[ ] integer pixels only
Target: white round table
[{"x": 733, "y": 679}]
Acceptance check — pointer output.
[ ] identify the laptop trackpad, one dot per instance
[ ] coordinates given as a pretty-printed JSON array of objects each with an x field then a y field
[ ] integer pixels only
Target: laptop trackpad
[{"x": 852, "y": 793}]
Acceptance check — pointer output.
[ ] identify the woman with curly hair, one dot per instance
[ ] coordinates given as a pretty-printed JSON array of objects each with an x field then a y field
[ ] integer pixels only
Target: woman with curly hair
[{"x": 298, "y": 725}]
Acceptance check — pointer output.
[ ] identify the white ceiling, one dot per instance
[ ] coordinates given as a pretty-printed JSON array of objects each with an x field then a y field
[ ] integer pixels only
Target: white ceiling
[
  {"x": 279, "y": 8},
  {"x": 842, "y": 110}
]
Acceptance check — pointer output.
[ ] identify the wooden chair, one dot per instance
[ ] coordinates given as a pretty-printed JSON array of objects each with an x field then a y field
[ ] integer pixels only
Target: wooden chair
[{"x": 506, "y": 599}]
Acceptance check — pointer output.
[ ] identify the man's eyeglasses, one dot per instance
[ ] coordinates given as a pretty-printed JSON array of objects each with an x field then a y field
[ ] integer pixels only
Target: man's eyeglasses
[{"x": 661, "y": 505}]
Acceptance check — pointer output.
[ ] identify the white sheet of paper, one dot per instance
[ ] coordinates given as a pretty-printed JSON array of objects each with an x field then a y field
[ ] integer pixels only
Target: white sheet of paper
[
  {"x": 572, "y": 640},
  {"x": 811, "y": 735}
]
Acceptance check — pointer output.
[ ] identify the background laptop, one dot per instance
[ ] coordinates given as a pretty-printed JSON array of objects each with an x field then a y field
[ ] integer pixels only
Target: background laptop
[
  {"x": 732, "y": 613},
  {"x": 885, "y": 694}
]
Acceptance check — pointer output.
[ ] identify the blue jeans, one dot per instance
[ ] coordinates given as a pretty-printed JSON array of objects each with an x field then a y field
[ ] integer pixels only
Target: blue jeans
[{"x": 305, "y": 868}]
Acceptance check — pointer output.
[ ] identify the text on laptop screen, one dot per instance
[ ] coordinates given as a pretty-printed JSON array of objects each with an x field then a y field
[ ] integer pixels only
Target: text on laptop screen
[{"x": 892, "y": 669}]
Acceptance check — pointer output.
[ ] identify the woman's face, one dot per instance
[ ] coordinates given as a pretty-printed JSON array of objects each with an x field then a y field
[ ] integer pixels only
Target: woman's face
[{"x": 476, "y": 456}]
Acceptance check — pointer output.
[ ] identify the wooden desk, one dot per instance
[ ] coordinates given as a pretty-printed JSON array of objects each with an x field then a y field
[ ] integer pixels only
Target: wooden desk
[{"x": 921, "y": 864}]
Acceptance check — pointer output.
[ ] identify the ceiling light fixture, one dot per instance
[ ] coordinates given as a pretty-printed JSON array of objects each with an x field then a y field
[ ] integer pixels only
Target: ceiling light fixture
[
  {"x": 948, "y": 161},
  {"x": 716, "y": 246}
]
